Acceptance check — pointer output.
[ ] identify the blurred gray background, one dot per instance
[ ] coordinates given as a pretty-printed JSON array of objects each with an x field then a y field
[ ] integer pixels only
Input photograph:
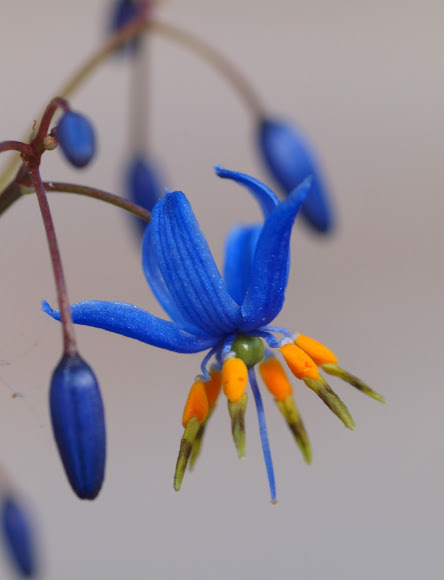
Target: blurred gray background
[{"x": 364, "y": 80}]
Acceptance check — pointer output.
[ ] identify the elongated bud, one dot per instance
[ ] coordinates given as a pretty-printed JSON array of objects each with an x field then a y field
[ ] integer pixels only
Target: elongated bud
[
  {"x": 212, "y": 390},
  {"x": 194, "y": 416},
  {"x": 18, "y": 535},
  {"x": 78, "y": 424},
  {"x": 124, "y": 11},
  {"x": 290, "y": 160},
  {"x": 237, "y": 414},
  {"x": 234, "y": 378},
  {"x": 143, "y": 186},
  {"x": 76, "y": 138},
  {"x": 279, "y": 386},
  {"x": 319, "y": 353}
]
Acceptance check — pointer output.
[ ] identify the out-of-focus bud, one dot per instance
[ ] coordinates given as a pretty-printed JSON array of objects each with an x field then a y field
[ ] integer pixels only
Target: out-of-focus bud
[
  {"x": 290, "y": 160},
  {"x": 76, "y": 138},
  {"x": 78, "y": 423},
  {"x": 143, "y": 186},
  {"x": 123, "y": 12},
  {"x": 17, "y": 532}
]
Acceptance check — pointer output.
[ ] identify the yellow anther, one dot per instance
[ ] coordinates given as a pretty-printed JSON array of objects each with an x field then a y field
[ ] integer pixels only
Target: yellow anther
[
  {"x": 319, "y": 353},
  {"x": 275, "y": 378},
  {"x": 196, "y": 405},
  {"x": 213, "y": 386},
  {"x": 301, "y": 365},
  {"x": 234, "y": 378}
]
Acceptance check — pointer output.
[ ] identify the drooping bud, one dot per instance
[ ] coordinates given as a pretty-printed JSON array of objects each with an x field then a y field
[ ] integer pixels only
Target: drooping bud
[
  {"x": 78, "y": 423},
  {"x": 194, "y": 415},
  {"x": 279, "y": 386},
  {"x": 290, "y": 160},
  {"x": 123, "y": 12},
  {"x": 75, "y": 135},
  {"x": 304, "y": 368},
  {"x": 18, "y": 535},
  {"x": 143, "y": 186}
]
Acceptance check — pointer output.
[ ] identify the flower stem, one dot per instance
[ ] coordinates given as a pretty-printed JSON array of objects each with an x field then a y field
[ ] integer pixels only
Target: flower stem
[
  {"x": 16, "y": 146},
  {"x": 137, "y": 210},
  {"x": 47, "y": 116},
  {"x": 69, "y": 341}
]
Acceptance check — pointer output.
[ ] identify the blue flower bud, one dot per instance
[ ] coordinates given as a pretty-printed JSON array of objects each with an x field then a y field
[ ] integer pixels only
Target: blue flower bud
[
  {"x": 18, "y": 536},
  {"x": 290, "y": 160},
  {"x": 75, "y": 135},
  {"x": 78, "y": 424},
  {"x": 124, "y": 11},
  {"x": 143, "y": 186}
]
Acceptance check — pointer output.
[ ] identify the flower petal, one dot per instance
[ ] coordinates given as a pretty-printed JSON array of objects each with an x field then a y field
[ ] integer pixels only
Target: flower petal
[
  {"x": 266, "y": 198},
  {"x": 135, "y": 323},
  {"x": 265, "y": 296},
  {"x": 188, "y": 268},
  {"x": 158, "y": 286},
  {"x": 239, "y": 251},
  {"x": 290, "y": 160}
]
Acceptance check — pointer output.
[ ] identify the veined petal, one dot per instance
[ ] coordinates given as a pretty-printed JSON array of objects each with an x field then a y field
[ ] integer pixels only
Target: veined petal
[
  {"x": 188, "y": 268},
  {"x": 265, "y": 296},
  {"x": 158, "y": 286},
  {"x": 135, "y": 323},
  {"x": 240, "y": 246},
  {"x": 266, "y": 198}
]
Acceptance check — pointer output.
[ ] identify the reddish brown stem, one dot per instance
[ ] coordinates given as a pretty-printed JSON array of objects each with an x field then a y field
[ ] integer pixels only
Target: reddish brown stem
[
  {"x": 54, "y": 104},
  {"x": 16, "y": 146},
  {"x": 69, "y": 341}
]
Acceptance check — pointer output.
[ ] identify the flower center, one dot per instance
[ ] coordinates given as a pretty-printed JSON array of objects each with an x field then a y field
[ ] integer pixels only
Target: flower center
[{"x": 248, "y": 348}]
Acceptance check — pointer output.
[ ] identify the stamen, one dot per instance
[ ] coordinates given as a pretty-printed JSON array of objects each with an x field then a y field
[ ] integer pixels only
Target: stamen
[
  {"x": 301, "y": 365},
  {"x": 234, "y": 378},
  {"x": 226, "y": 348},
  {"x": 279, "y": 386},
  {"x": 237, "y": 413},
  {"x": 263, "y": 433},
  {"x": 315, "y": 350},
  {"x": 333, "y": 369},
  {"x": 271, "y": 340},
  {"x": 283, "y": 331},
  {"x": 212, "y": 390},
  {"x": 196, "y": 405}
]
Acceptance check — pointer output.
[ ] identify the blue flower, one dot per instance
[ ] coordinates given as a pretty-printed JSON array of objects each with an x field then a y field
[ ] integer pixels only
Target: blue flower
[
  {"x": 290, "y": 160},
  {"x": 228, "y": 318},
  {"x": 123, "y": 13}
]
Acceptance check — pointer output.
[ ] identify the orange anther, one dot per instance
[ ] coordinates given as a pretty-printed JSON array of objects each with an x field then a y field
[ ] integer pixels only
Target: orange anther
[
  {"x": 196, "y": 405},
  {"x": 234, "y": 378},
  {"x": 275, "y": 378},
  {"x": 301, "y": 365},
  {"x": 316, "y": 350},
  {"x": 212, "y": 387}
]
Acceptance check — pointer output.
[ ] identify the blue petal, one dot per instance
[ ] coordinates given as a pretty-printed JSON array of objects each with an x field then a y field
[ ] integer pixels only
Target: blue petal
[
  {"x": 78, "y": 423},
  {"x": 265, "y": 296},
  {"x": 240, "y": 246},
  {"x": 19, "y": 538},
  {"x": 262, "y": 193},
  {"x": 188, "y": 268},
  {"x": 135, "y": 323},
  {"x": 158, "y": 286},
  {"x": 290, "y": 161},
  {"x": 75, "y": 135}
]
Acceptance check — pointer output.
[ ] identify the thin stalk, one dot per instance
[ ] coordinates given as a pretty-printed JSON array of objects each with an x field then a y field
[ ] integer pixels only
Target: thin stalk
[
  {"x": 69, "y": 341},
  {"x": 16, "y": 146},
  {"x": 57, "y": 102},
  {"x": 137, "y": 210}
]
